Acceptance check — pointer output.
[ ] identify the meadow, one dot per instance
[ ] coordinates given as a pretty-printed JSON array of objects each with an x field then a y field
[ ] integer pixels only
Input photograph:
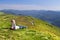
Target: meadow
[{"x": 39, "y": 30}]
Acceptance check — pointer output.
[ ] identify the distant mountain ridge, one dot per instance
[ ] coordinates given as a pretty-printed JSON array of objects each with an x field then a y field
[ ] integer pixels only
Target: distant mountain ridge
[{"x": 52, "y": 17}]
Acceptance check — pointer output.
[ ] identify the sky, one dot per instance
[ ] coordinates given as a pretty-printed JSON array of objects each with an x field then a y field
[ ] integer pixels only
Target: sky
[{"x": 30, "y": 4}]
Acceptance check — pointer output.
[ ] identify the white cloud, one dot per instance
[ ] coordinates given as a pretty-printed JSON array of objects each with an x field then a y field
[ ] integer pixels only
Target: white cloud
[
  {"x": 20, "y": 7},
  {"x": 28, "y": 7}
]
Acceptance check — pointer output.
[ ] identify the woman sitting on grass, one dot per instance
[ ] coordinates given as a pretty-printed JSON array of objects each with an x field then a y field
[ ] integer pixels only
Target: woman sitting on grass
[{"x": 14, "y": 27}]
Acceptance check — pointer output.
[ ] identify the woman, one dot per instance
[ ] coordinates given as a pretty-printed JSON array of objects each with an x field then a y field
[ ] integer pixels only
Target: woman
[{"x": 14, "y": 27}]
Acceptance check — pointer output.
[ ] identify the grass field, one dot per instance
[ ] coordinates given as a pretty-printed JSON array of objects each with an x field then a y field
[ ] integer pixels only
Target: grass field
[{"x": 39, "y": 30}]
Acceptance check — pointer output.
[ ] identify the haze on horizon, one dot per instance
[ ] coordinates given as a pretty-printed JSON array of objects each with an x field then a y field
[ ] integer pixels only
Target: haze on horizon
[{"x": 30, "y": 4}]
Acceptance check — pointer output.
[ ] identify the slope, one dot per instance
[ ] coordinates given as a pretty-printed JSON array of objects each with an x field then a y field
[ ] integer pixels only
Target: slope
[{"x": 36, "y": 29}]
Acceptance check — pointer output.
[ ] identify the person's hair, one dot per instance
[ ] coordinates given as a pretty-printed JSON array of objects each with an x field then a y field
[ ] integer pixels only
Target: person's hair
[{"x": 12, "y": 20}]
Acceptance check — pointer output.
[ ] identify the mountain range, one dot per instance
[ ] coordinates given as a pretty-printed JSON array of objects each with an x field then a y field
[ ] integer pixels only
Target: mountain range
[{"x": 52, "y": 17}]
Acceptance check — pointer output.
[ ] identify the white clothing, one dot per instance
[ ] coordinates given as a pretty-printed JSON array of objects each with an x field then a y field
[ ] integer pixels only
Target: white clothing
[{"x": 16, "y": 27}]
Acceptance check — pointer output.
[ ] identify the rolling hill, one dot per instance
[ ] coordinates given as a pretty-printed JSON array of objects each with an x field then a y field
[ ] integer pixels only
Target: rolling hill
[{"x": 39, "y": 30}]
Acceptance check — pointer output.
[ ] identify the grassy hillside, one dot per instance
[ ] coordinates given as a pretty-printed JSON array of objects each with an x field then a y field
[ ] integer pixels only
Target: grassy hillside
[{"x": 36, "y": 29}]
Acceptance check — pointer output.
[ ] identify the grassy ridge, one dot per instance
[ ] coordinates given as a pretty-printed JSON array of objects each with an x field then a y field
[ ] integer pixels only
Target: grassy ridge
[{"x": 39, "y": 30}]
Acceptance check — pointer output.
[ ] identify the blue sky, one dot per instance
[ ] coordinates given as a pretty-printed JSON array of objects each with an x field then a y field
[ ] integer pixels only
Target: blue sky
[{"x": 30, "y": 4}]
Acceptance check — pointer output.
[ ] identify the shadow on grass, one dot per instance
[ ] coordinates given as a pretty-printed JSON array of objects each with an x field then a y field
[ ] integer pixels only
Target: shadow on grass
[{"x": 6, "y": 28}]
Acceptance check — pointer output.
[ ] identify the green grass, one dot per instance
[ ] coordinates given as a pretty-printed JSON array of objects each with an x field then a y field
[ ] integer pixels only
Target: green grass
[{"x": 41, "y": 30}]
